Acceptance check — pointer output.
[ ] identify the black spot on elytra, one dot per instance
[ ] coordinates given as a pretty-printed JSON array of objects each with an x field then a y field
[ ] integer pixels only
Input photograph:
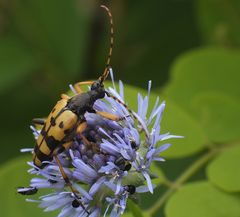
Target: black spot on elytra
[
  {"x": 43, "y": 132},
  {"x": 61, "y": 125},
  {"x": 52, "y": 143},
  {"x": 40, "y": 155},
  {"x": 53, "y": 121}
]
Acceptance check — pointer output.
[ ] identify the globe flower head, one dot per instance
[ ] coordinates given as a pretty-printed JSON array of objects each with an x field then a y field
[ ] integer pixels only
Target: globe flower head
[{"x": 115, "y": 166}]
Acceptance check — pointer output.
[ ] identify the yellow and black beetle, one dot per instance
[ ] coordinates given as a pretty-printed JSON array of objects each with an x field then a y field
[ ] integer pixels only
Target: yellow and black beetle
[{"x": 67, "y": 120}]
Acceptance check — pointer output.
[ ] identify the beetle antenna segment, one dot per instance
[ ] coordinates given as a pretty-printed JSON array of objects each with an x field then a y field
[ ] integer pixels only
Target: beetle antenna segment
[{"x": 106, "y": 70}]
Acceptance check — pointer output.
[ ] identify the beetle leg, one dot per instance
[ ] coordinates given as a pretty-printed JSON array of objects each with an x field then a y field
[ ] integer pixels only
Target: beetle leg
[
  {"x": 67, "y": 145},
  {"x": 65, "y": 96},
  {"x": 78, "y": 89},
  {"x": 78, "y": 85},
  {"x": 80, "y": 129},
  {"x": 38, "y": 121},
  {"x": 62, "y": 148},
  {"x": 68, "y": 183},
  {"x": 110, "y": 116}
]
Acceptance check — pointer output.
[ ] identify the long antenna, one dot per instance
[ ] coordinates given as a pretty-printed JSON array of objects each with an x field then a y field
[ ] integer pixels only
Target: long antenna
[{"x": 106, "y": 70}]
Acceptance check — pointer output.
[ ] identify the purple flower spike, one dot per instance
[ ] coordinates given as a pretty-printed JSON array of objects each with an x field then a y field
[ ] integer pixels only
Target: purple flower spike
[{"x": 99, "y": 171}]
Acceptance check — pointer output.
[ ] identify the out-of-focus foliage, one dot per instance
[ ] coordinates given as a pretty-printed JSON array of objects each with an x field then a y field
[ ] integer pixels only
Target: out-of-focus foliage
[
  {"x": 189, "y": 49},
  {"x": 211, "y": 76},
  {"x": 149, "y": 36},
  {"x": 204, "y": 83},
  {"x": 229, "y": 180},
  {"x": 56, "y": 30},
  {"x": 219, "y": 21},
  {"x": 16, "y": 60},
  {"x": 191, "y": 201}
]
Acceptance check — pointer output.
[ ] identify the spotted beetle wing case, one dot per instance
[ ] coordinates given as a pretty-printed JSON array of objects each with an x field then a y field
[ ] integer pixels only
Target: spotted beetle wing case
[{"x": 59, "y": 123}]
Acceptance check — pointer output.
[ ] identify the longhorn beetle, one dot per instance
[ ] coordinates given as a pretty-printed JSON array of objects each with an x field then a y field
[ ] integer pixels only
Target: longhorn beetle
[{"x": 67, "y": 120}]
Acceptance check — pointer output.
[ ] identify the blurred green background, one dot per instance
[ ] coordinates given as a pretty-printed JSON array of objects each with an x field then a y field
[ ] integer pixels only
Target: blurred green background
[{"x": 188, "y": 48}]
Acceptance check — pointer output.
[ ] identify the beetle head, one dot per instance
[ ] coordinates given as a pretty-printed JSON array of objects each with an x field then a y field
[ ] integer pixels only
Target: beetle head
[{"x": 98, "y": 88}]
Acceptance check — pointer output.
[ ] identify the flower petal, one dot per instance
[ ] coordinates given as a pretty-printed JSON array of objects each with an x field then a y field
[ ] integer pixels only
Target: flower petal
[{"x": 148, "y": 179}]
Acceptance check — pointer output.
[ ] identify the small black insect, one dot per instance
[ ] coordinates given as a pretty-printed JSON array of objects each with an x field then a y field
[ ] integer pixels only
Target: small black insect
[
  {"x": 131, "y": 189},
  {"x": 52, "y": 181},
  {"x": 75, "y": 203},
  {"x": 123, "y": 164},
  {"x": 133, "y": 144},
  {"x": 27, "y": 190}
]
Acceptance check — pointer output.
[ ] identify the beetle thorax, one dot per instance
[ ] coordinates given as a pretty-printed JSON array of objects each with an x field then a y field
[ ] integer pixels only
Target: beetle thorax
[{"x": 82, "y": 103}]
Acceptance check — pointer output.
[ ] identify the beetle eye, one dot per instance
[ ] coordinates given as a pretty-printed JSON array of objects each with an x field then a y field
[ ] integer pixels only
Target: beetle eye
[{"x": 95, "y": 86}]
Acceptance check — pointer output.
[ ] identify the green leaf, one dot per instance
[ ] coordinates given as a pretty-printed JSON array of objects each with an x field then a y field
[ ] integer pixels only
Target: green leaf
[
  {"x": 199, "y": 73},
  {"x": 224, "y": 170},
  {"x": 201, "y": 70},
  {"x": 16, "y": 62},
  {"x": 134, "y": 208},
  {"x": 176, "y": 121},
  {"x": 219, "y": 21},
  {"x": 143, "y": 50},
  {"x": 202, "y": 199},
  {"x": 13, "y": 175},
  {"x": 56, "y": 29},
  {"x": 219, "y": 116},
  {"x": 16, "y": 138},
  {"x": 127, "y": 214},
  {"x": 155, "y": 168}
]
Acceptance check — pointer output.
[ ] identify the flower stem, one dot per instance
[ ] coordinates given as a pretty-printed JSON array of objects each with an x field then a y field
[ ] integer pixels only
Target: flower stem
[{"x": 181, "y": 179}]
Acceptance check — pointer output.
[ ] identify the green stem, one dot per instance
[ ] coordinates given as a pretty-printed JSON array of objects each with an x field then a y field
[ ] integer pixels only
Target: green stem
[{"x": 181, "y": 179}]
